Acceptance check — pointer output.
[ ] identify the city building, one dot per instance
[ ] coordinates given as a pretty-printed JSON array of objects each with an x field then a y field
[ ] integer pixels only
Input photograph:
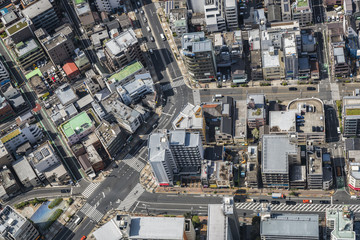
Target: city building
[
  {"x": 215, "y": 15},
  {"x": 340, "y": 66},
  {"x": 292, "y": 64},
  {"x": 198, "y": 49},
  {"x": 6, "y": 111},
  {"x": 223, "y": 221},
  {"x": 25, "y": 173},
  {"x": 111, "y": 137},
  {"x": 85, "y": 15},
  {"x": 61, "y": 114},
  {"x": 4, "y": 74},
  {"x": 15, "y": 226},
  {"x": 42, "y": 15},
  {"x": 290, "y": 226},
  {"x": 256, "y": 110},
  {"x": 133, "y": 227},
  {"x": 9, "y": 18},
  {"x": 252, "y": 167},
  {"x": 98, "y": 38},
  {"x": 108, "y": 5},
  {"x": 58, "y": 46},
  {"x": 174, "y": 152},
  {"x": 66, "y": 94},
  {"x": 8, "y": 185},
  {"x": 255, "y": 55},
  {"x": 285, "y": 10},
  {"x": 301, "y": 11},
  {"x": 126, "y": 117},
  {"x": 231, "y": 14},
  {"x": 14, "y": 97},
  {"x": 134, "y": 90},
  {"x": 124, "y": 75},
  {"x": 340, "y": 224},
  {"x": 351, "y": 116},
  {"x": 28, "y": 53},
  {"x": 47, "y": 164},
  {"x": 39, "y": 87},
  {"x": 71, "y": 70},
  {"x": 77, "y": 128},
  {"x": 314, "y": 168},
  {"x": 123, "y": 49},
  {"x": 5, "y": 156},
  {"x": 277, "y": 155},
  {"x": 20, "y": 31},
  {"x": 217, "y": 174},
  {"x": 19, "y": 136}
]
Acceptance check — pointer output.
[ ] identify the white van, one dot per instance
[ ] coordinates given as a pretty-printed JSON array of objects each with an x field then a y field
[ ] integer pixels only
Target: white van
[
  {"x": 353, "y": 197},
  {"x": 78, "y": 220},
  {"x": 338, "y": 8},
  {"x": 162, "y": 37},
  {"x": 148, "y": 29},
  {"x": 218, "y": 95}
]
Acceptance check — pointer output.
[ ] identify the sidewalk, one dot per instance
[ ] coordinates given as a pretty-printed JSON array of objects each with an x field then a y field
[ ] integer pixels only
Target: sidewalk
[{"x": 301, "y": 193}]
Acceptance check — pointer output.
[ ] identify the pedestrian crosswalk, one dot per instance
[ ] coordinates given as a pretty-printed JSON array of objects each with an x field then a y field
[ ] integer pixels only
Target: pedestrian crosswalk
[
  {"x": 299, "y": 207},
  {"x": 134, "y": 162},
  {"x": 131, "y": 198},
  {"x": 91, "y": 212},
  {"x": 172, "y": 85},
  {"x": 90, "y": 189}
]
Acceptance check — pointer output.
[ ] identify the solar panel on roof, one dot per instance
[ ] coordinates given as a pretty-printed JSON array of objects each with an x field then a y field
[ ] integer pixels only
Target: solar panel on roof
[{"x": 45, "y": 152}]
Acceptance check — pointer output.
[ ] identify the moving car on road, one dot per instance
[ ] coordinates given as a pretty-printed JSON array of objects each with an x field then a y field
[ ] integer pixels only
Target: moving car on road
[
  {"x": 307, "y": 201},
  {"x": 292, "y": 89}
]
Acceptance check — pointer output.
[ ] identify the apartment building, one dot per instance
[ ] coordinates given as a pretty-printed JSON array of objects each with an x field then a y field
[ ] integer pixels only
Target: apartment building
[
  {"x": 290, "y": 226},
  {"x": 314, "y": 169},
  {"x": 301, "y": 11},
  {"x": 5, "y": 156},
  {"x": 42, "y": 15},
  {"x": 198, "y": 55},
  {"x": 4, "y": 74},
  {"x": 107, "y": 5},
  {"x": 26, "y": 173},
  {"x": 14, "y": 226},
  {"x": 340, "y": 66},
  {"x": 6, "y": 111},
  {"x": 77, "y": 128},
  {"x": 255, "y": 55},
  {"x": 85, "y": 15},
  {"x": 8, "y": 185},
  {"x": 231, "y": 14},
  {"x": 58, "y": 46},
  {"x": 28, "y": 53},
  {"x": 340, "y": 224},
  {"x": 351, "y": 116},
  {"x": 214, "y": 15},
  {"x": 123, "y": 49},
  {"x": 291, "y": 56},
  {"x": 256, "y": 110},
  {"x": 277, "y": 155}
]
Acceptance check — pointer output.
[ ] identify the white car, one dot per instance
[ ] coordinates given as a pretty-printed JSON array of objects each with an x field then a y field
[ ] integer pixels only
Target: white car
[
  {"x": 136, "y": 11},
  {"x": 145, "y": 19},
  {"x": 142, "y": 12}
]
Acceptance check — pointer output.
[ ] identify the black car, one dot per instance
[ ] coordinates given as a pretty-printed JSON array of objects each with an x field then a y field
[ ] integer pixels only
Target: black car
[
  {"x": 311, "y": 88},
  {"x": 290, "y": 203},
  {"x": 275, "y": 202},
  {"x": 292, "y": 89},
  {"x": 263, "y": 201},
  {"x": 65, "y": 190},
  {"x": 324, "y": 202}
]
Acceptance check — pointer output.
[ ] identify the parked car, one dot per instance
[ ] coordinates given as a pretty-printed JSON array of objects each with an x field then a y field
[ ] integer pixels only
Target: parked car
[
  {"x": 311, "y": 88},
  {"x": 263, "y": 201},
  {"x": 275, "y": 202},
  {"x": 324, "y": 202},
  {"x": 290, "y": 203},
  {"x": 152, "y": 38},
  {"x": 293, "y": 89}
]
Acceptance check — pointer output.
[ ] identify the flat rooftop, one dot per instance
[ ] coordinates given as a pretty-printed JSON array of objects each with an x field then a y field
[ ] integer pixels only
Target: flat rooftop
[
  {"x": 121, "y": 42},
  {"x": 37, "y": 8},
  {"x": 17, "y": 26},
  {"x": 10, "y": 221},
  {"x": 126, "y": 72},
  {"x": 190, "y": 117},
  {"x": 77, "y": 124},
  {"x": 282, "y": 121}
]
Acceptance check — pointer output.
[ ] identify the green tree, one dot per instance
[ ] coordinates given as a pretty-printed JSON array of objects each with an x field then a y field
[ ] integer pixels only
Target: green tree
[
  {"x": 196, "y": 221},
  {"x": 255, "y": 133}
]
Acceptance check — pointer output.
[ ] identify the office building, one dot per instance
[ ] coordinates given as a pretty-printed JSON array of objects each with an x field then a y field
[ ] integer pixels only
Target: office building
[
  {"x": 291, "y": 56},
  {"x": 290, "y": 226},
  {"x": 231, "y": 14},
  {"x": 16, "y": 227},
  {"x": 340, "y": 224},
  {"x": 116, "y": 111},
  {"x": 123, "y": 49},
  {"x": 19, "y": 136},
  {"x": 314, "y": 168},
  {"x": 198, "y": 54},
  {"x": 301, "y": 11},
  {"x": 340, "y": 66},
  {"x": 223, "y": 221},
  {"x": 107, "y": 5},
  {"x": 277, "y": 155},
  {"x": 215, "y": 16},
  {"x": 174, "y": 152},
  {"x": 42, "y": 15},
  {"x": 256, "y": 110},
  {"x": 26, "y": 173},
  {"x": 111, "y": 137},
  {"x": 4, "y": 74},
  {"x": 58, "y": 46},
  {"x": 351, "y": 116},
  {"x": 77, "y": 128},
  {"x": 28, "y": 53}
]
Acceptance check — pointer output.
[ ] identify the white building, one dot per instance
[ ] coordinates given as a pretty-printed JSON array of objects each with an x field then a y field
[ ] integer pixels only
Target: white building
[
  {"x": 136, "y": 89},
  {"x": 15, "y": 226},
  {"x": 30, "y": 133},
  {"x": 231, "y": 14},
  {"x": 214, "y": 16},
  {"x": 340, "y": 224},
  {"x": 26, "y": 173},
  {"x": 107, "y": 5}
]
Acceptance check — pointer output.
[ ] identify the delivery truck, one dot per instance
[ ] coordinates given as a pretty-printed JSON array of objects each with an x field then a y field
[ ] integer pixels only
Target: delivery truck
[{"x": 277, "y": 196}]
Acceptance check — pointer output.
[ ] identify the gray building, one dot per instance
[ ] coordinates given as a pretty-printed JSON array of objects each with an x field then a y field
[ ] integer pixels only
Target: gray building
[
  {"x": 278, "y": 153},
  {"x": 290, "y": 227},
  {"x": 28, "y": 53},
  {"x": 174, "y": 152},
  {"x": 16, "y": 227},
  {"x": 231, "y": 14},
  {"x": 198, "y": 49},
  {"x": 215, "y": 15},
  {"x": 351, "y": 116},
  {"x": 21, "y": 30},
  {"x": 42, "y": 15},
  {"x": 340, "y": 224}
]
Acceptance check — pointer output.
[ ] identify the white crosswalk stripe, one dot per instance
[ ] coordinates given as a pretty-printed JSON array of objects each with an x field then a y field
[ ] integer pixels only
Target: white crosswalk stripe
[
  {"x": 90, "y": 189},
  {"x": 171, "y": 85},
  {"x": 131, "y": 198},
  {"x": 91, "y": 212},
  {"x": 134, "y": 162},
  {"x": 282, "y": 207}
]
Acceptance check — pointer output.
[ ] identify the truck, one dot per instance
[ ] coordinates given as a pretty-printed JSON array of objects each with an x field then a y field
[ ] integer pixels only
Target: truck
[
  {"x": 218, "y": 96},
  {"x": 277, "y": 196},
  {"x": 353, "y": 197},
  {"x": 307, "y": 201}
]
